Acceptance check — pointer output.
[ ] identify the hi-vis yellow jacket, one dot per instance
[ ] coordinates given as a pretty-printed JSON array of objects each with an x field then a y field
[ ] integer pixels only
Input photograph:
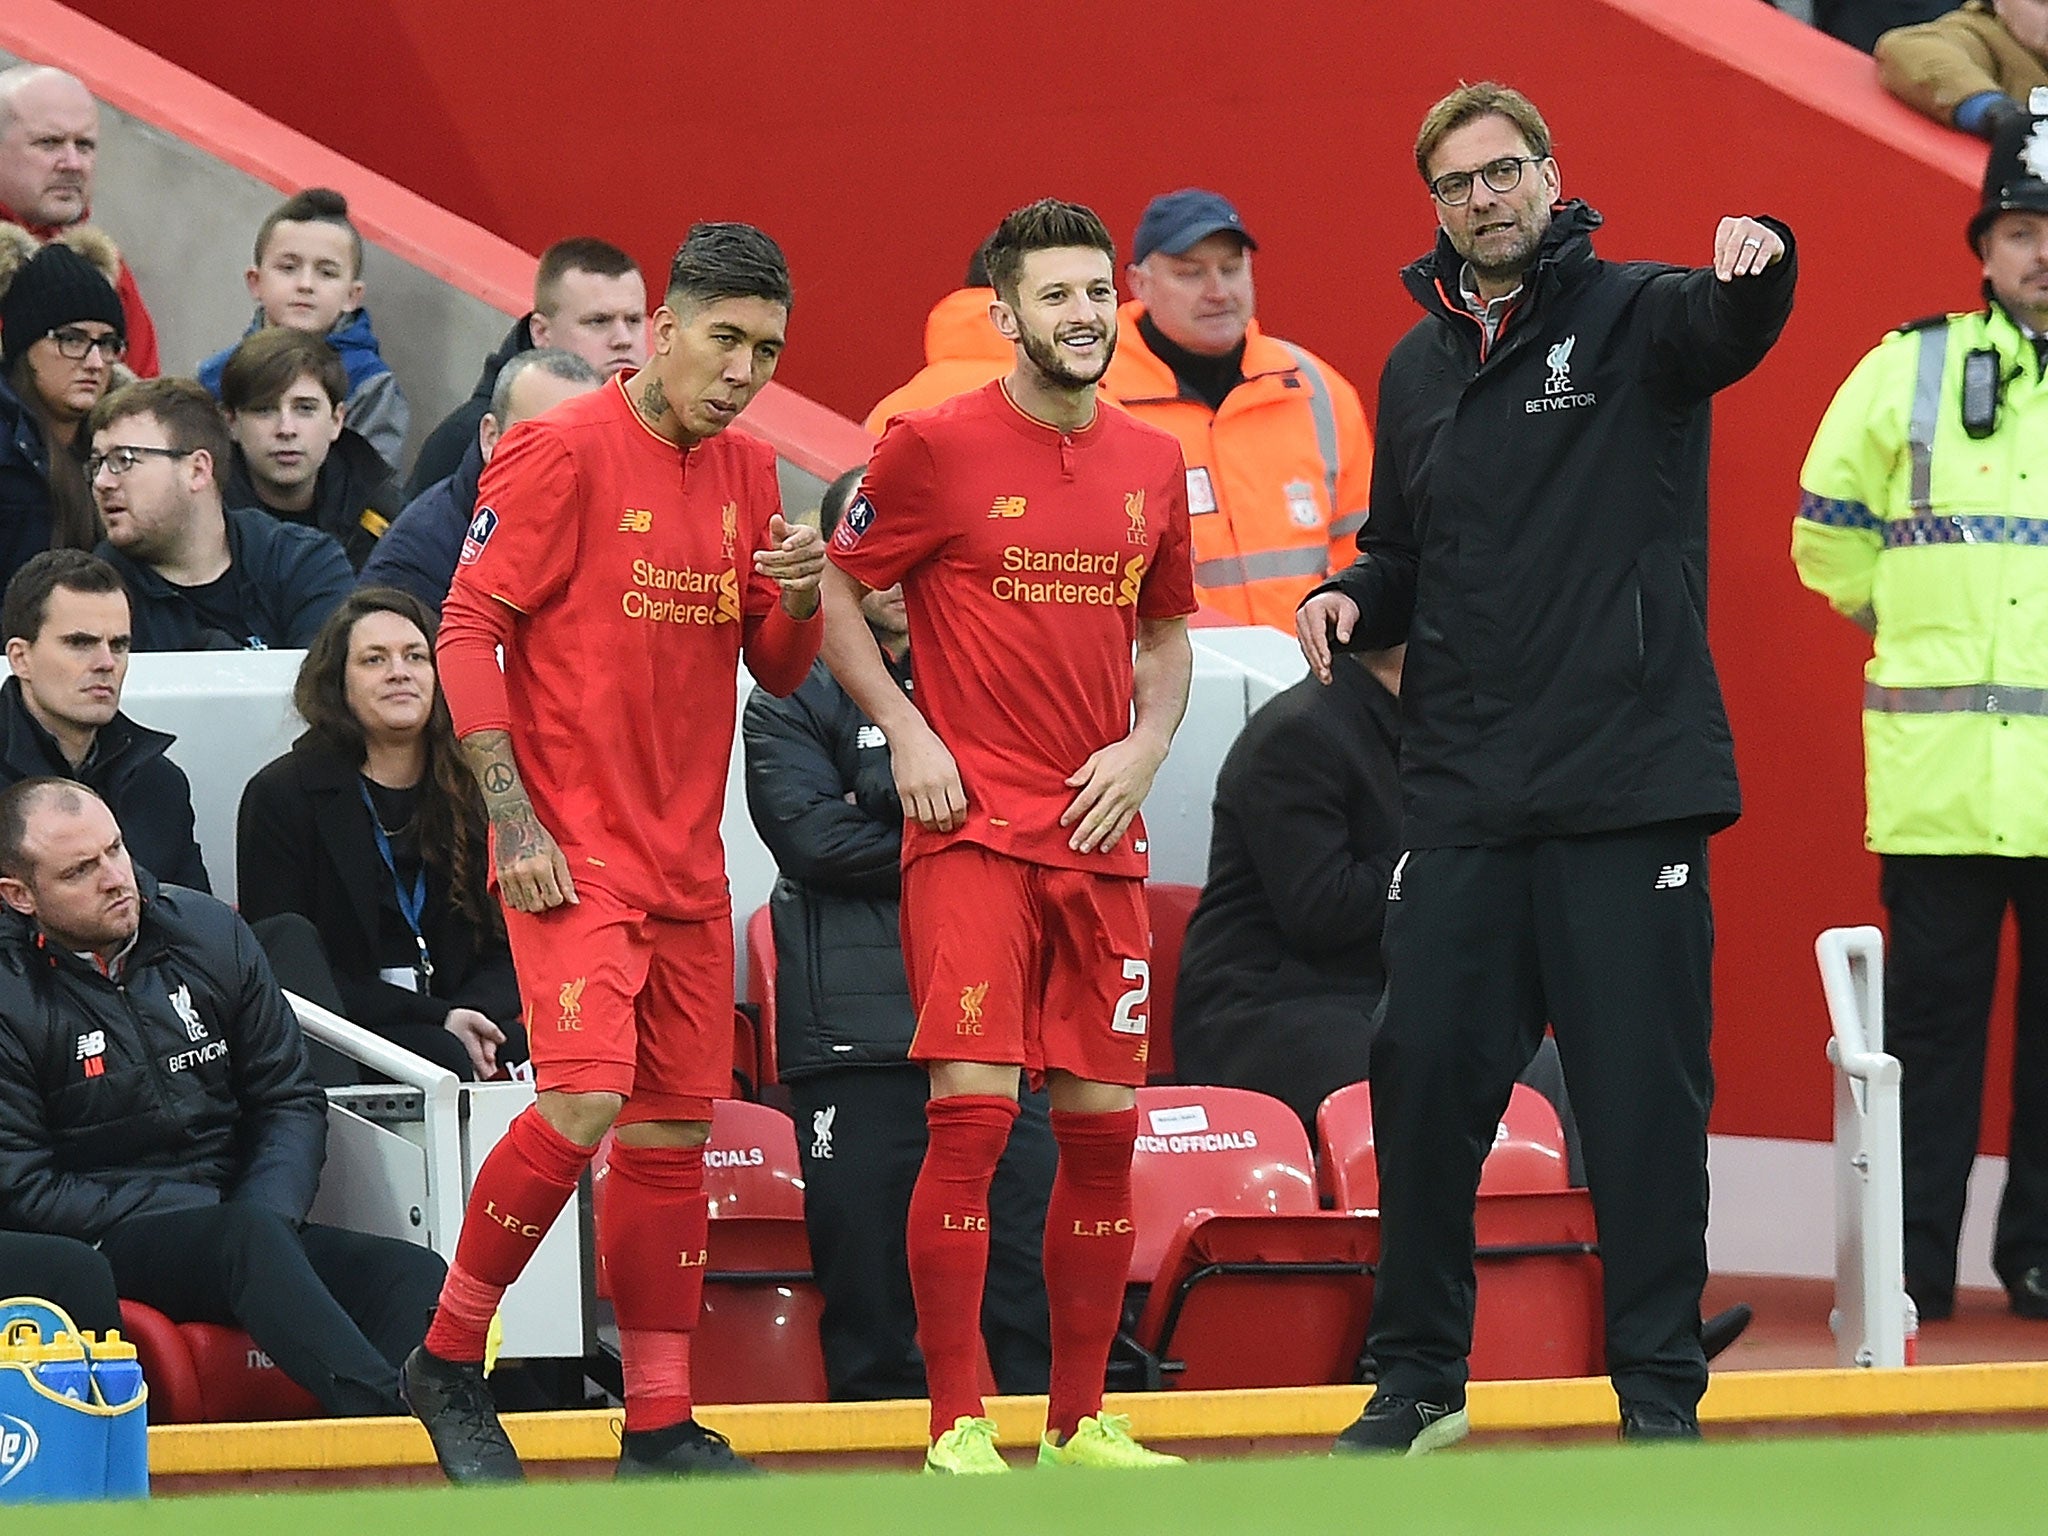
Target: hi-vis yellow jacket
[{"x": 1942, "y": 539}]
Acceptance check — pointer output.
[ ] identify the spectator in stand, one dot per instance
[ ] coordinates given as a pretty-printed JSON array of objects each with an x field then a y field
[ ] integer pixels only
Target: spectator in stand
[
  {"x": 49, "y": 143},
  {"x": 1278, "y": 454},
  {"x": 963, "y": 350},
  {"x": 588, "y": 298},
  {"x": 200, "y": 577},
  {"x": 1860, "y": 23},
  {"x": 73, "y": 1275},
  {"x": 308, "y": 278},
  {"x": 155, "y": 1101},
  {"x": 372, "y": 829},
  {"x": 824, "y": 801},
  {"x": 1280, "y": 974},
  {"x": 1972, "y": 68},
  {"x": 61, "y": 332},
  {"x": 419, "y": 551},
  {"x": 286, "y": 398},
  {"x": 65, "y": 622}
]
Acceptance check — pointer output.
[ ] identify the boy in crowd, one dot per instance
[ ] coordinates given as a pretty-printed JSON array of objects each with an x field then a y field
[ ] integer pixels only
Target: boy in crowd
[{"x": 308, "y": 277}]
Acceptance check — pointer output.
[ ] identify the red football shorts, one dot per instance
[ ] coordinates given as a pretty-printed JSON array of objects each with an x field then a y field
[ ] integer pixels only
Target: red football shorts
[
  {"x": 1010, "y": 961},
  {"x": 619, "y": 1001}
]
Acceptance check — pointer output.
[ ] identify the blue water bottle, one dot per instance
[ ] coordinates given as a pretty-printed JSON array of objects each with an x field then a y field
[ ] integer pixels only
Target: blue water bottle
[
  {"x": 63, "y": 1368},
  {"x": 117, "y": 1378}
]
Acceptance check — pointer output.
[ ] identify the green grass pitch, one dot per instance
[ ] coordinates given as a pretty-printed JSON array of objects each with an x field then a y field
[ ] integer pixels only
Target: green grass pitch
[{"x": 1856, "y": 1487}]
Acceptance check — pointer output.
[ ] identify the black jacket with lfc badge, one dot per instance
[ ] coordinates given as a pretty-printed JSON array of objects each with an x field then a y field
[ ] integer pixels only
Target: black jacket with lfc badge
[
  {"x": 182, "y": 1083},
  {"x": 1538, "y": 537}
]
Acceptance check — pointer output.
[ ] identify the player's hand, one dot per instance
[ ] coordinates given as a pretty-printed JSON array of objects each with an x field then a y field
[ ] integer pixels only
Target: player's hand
[
  {"x": 927, "y": 778},
  {"x": 795, "y": 561},
  {"x": 479, "y": 1036},
  {"x": 532, "y": 873},
  {"x": 1113, "y": 783},
  {"x": 1314, "y": 622},
  {"x": 1744, "y": 247}
]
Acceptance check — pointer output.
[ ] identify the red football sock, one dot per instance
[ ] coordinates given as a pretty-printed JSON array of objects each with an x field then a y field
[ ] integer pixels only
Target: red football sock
[
  {"x": 651, "y": 1242},
  {"x": 518, "y": 1193},
  {"x": 948, "y": 1246},
  {"x": 1088, "y": 1239}
]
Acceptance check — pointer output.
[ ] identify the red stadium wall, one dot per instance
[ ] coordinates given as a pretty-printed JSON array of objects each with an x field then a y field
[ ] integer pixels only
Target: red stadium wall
[{"x": 880, "y": 144}]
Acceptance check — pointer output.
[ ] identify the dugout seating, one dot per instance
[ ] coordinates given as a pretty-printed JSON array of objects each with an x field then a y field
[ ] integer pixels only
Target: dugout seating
[
  {"x": 760, "y": 993},
  {"x": 1169, "y": 906},
  {"x": 1538, "y": 1311},
  {"x": 201, "y": 1373}
]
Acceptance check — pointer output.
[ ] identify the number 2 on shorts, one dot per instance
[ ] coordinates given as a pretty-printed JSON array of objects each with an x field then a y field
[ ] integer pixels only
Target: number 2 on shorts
[{"x": 1128, "y": 1020}]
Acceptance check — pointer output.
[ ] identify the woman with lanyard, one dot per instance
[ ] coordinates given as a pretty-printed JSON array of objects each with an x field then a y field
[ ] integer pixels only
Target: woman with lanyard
[{"x": 372, "y": 829}]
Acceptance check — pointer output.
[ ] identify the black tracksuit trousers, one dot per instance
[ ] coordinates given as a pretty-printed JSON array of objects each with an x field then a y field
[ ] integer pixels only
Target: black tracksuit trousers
[{"x": 1609, "y": 938}]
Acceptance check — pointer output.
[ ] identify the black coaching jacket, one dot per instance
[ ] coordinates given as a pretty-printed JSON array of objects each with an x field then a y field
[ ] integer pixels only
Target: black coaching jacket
[
  {"x": 182, "y": 1084},
  {"x": 1538, "y": 537}
]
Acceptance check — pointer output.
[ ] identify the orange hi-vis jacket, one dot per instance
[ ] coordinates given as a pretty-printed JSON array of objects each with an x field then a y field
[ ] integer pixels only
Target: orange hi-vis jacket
[
  {"x": 963, "y": 350},
  {"x": 1278, "y": 479}
]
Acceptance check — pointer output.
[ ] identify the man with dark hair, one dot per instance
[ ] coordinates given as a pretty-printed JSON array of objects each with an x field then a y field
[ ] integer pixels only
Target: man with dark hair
[
  {"x": 963, "y": 350},
  {"x": 286, "y": 397},
  {"x": 588, "y": 298},
  {"x": 819, "y": 788},
  {"x": 200, "y": 577},
  {"x": 308, "y": 277},
  {"x": 49, "y": 149},
  {"x": 155, "y": 1101},
  {"x": 1538, "y": 538},
  {"x": 65, "y": 622},
  {"x": 419, "y": 550},
  {"x": 1039, "y": 536},
  {"x": 626, "y": 553}
]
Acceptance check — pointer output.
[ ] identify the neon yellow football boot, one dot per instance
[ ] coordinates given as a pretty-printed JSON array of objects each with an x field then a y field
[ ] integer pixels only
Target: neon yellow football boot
[
  {"x": 968, "y": 1448},
  {"x": 1103, "y": 1440}
]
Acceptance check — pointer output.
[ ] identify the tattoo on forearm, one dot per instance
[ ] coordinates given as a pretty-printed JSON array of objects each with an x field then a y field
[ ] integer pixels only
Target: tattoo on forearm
[
  {"x": 498, "y": 779},
  {"x": 520, "y": 836},
  {"x": 489, "y": 754},
  {"x": 653, "y": 401}
]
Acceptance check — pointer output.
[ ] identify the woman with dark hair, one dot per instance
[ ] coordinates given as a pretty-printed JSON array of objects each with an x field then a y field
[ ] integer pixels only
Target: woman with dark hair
[
  {"x": 372, "y": 829},
  {"x": 62, "y": 331}
]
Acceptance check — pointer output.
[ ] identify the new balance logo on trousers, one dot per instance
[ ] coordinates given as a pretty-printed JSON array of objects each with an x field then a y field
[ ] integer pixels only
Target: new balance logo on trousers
[{"x": 1671, "y": 877}]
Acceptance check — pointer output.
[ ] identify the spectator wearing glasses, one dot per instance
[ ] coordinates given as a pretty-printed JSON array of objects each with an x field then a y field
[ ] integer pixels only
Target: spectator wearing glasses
[
  {"x": 201, "y": 576},
  {"x": 61, "y": 332}
]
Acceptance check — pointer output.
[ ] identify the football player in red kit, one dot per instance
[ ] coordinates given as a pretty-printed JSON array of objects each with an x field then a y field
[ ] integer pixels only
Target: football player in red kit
[
  {"x": 1039, "y": 536},
  {"x": 625, "y": 553}
]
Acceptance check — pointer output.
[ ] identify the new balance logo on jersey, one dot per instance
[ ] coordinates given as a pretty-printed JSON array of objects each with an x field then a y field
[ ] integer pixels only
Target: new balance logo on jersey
[
  {"x": 1671, "y": 877},
  {"x": 1007, "y": 506},
  {"x": 636, "y": 520},
  {"x": 92, "y": 1050}
]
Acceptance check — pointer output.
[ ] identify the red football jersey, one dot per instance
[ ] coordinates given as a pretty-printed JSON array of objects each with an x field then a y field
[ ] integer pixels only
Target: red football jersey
[
  {"x": 1027, "y": 557},
  {"x": 617, "y": 572}
]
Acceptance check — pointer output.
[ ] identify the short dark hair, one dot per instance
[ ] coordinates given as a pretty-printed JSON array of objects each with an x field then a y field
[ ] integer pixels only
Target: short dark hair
[
  {"x": 566, "y": 366},
  {"x": 1046, "y": 225},
  {"x": 837, "y": 498},
  {"x": 17, "y": 803},
  {"x": 728, "y": 261},
  {"x": 182, "y": 407},
  {"x": 26, "y": 603},
  {"x": 579, "y": 253},
  {"x": 315, "y": 205},
  {"x": 268, "y": 362},
  {"x": 977, "y": 267}
]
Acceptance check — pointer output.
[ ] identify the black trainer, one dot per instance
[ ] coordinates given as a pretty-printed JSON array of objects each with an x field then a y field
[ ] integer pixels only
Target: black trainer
[
  {"x": 687, "y": 1449},
  {"x": 1647, "y": 1422},
  {"x": 451, "y": 1399},
  {"x": 1403, "y": 1426},
  {"x": 2028, "y": 1293}
]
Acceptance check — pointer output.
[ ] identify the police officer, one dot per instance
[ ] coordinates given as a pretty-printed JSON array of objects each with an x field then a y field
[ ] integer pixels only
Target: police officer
[
  {"x": 1923, "y": 517},
  {"x": 1539, "y": 537},
  {"x": 1279, "y": 457}
]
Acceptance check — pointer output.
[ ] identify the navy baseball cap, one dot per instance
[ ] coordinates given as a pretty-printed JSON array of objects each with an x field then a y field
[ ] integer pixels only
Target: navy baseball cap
[{"x": 1175, "y": 221}]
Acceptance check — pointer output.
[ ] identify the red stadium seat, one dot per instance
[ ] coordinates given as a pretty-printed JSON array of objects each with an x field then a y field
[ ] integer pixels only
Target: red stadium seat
[
  {"x": 1218, "y": 1149},
  {"x": 1528, "y": 1148},
  {"x": 1170, "y": 907},
  {"x": 200, "y": 1373},
  {"x": 1209, "y": 1318},
  {"x": 761, "y": 993}
]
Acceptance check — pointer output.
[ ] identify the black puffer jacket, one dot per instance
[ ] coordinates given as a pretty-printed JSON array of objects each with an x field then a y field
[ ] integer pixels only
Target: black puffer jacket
[
  {"x": 182, "y": 1084},
  {"x": 1538, "y": 536},
  {"x": 455, "y": 434},
  {"x": 841, "y": 996},
  {"x": 355, "y": 498}
]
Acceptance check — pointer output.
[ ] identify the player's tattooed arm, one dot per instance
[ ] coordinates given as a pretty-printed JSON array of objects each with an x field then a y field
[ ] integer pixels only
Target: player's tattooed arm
[{"x": 532, "y": 873}]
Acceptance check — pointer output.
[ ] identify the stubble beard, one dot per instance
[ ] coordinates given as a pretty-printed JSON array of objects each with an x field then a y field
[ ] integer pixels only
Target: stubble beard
[{"x": 1044, "y": 355}]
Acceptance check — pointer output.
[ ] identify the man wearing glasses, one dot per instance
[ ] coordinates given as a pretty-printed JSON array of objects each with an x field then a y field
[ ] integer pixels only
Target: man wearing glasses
[
  {"x": 202, "y": 577},
  {"x": 1538, "y": 537}
]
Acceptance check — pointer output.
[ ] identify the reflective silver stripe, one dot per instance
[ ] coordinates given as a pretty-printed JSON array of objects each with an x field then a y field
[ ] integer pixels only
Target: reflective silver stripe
[
  {"x": 1967, "y": 699},
  {"x": 1926, "y": 410},
  {"x": 1964, "y": 528},
  {"x": 1350, "y": 522},
  {"x": 1324, "y": 413},
  {"x": 1237, "y": 570}
]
